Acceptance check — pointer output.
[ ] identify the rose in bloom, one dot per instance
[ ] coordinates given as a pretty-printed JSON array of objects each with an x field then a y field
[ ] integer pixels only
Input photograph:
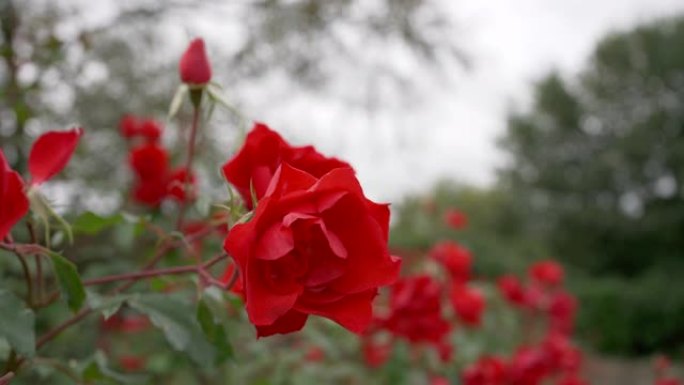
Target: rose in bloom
[
  {"x": 314, "y": 246},
  {"x": 416, "y": 310},
  {"x": 194, "y": 67},
  {"x": 455, "y": 258},
  {"x": 562, "y": 311},
  {"x": 511, "y": 289},
  {"x": 528, "y": 366},
  {"x": 456, "y": 219},
  {"x": 253, "y": 167},
  {"x": 547, "y": 273},
  {"x": 13, "y": 201},
  {"x": 155, "y": 181},
  {"x": 469, "y": 304},
  {"x": 561, "y": 354},
  {"x": 488, "y": 370}
]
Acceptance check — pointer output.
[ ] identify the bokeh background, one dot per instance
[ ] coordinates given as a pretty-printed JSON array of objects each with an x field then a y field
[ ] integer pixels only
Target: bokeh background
[{"x": 557, "y": 127}]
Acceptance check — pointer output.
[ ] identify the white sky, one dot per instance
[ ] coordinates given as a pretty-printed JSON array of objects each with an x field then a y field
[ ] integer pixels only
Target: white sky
[{"x": 452, "y": 133}]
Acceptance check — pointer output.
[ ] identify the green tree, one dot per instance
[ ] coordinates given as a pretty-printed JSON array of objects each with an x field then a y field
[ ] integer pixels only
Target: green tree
[{"x": 598, "y": 162}]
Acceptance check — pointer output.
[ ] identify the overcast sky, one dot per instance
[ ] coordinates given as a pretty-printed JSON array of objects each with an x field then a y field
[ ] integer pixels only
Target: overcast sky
[{"x": 452, "y": 133}]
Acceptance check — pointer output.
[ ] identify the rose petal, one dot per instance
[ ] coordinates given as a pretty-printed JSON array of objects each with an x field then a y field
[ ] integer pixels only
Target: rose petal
[
  {"x": 264, "y": 306},
  {"x": 13, "y": 201},
  {"x": 354, "y": 312},
  {"x": 292, "y": 321},
  {"x": 276, "y": 242},
  {"x": 51, "y": 152}
]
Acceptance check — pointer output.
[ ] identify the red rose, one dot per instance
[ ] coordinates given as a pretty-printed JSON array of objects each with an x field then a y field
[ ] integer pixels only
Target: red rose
[
  {"x": 194, "y": 67},
  {"x": 51, "y": 152},
  {"x": 149, "y": 161},
  {"x": 262, "y": 153},
  {"x": 178, "y": 180},
  {"x": 548, "y": 273},
  {"x": 528, "y": 367},
  {"x": 375, "y": 354},
  {"x": 128, "y": 126},
  {"x": 511, "y": 289},
  {"x": 455, "y": 219},
  {"x": 150, "y": 192},
  {"x": 150, "y": 129},
  {"x": 487, "y": 370},
  {"x": 13, "y": 201},
  {"x": 416, "y": 310},
  {"x": 469, "y": 304},
  {"x": 314, "y": 246},
  {"x": 562, "y": 311},
  {"x": 455, "y": 258}
]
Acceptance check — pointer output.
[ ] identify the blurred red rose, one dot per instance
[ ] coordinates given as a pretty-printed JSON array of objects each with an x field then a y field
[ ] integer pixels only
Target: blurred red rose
[
  {"x": 194, "y": 66},
  {"x": 456, "y": 219},
  {"x": 128, "y": 126},
  {"x": 315, "y": 354},
  {"x": 511, "y": 289},
  {"x": 455, "y": 258},
  {"x": 562, "y": 311},
  {"x": 179, "y": 180},
  {"x": 469, "y": 304},
  {"x": 149, "y": 161},
  {"x": 487, "y": 370},
  {"x": 416, "y": 310},
  {"x": 375, "y": 354},
  {"x": 132, "y": 363},
  {"x": 313, "y": 247},
  {"x": 13, "y": 201},
  {"x": 261, "y": 155},
  {"x": 528, "y": 366},
  {"x": 547, "y": 273},
  {"x": 669, "y": 381}
]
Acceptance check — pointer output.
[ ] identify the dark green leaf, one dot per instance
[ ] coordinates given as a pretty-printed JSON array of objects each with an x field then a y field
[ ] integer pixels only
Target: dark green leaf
[
  {"x": 69, "y": 281},
  {"x": 91, "y": 224},
  {"x": 16, "y": 324},
  {"x": 215, "y": 332},
  {"x": 175, "y": 317}
]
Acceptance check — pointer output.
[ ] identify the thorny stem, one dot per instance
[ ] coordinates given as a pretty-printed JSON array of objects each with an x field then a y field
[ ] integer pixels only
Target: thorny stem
[{"x": 188, "y": 163}]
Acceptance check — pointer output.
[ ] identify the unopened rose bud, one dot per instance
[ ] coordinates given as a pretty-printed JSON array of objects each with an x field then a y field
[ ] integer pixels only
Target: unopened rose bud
[{"x": 194, "y": 65}]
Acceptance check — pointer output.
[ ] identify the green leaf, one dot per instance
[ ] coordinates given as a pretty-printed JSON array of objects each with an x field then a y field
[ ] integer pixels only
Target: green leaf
[
  {"x": 108, "y": 306},
  {"x": 90, "y": 223},
  {"x": 215, "y": 332},
  {"x": 175, "y": 317},
  {"x": 16, "y": 324},
  {"x": 69, "y": 281}
]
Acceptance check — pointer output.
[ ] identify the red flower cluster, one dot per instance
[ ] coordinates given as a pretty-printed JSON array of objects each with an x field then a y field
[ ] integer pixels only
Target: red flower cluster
[
  {"x": 155, "y": 179},
  {"x": 544, "y": 294},
  {"x": 315, "y": 245},
  {"x": 416, "y": 310},
  {"x": 661, "y": 367},
  {"x": 49, "y": 155},
  {"x": 555, "y": 358}
]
